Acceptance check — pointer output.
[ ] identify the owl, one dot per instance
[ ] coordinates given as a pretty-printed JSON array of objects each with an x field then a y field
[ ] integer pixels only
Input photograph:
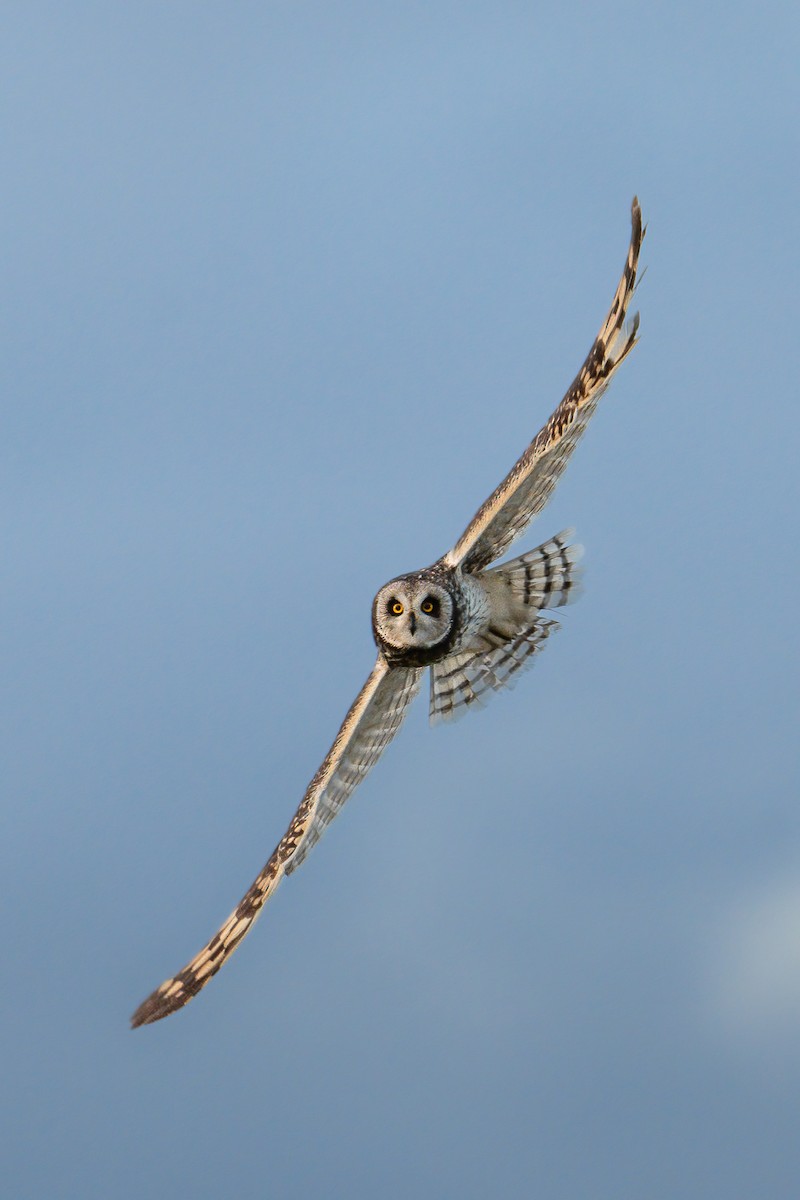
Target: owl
[{"x": 472, "y": 624}]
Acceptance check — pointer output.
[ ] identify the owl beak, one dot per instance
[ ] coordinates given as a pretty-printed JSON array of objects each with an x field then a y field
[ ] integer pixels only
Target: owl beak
[{"x": 412, "y": 620}]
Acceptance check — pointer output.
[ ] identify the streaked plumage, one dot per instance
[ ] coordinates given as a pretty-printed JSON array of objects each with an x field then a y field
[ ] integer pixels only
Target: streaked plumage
[{"x": 474, "y": 627}]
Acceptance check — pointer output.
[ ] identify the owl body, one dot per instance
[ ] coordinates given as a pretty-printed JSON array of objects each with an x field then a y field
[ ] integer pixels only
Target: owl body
[
  {"x": 473, "y": 624},
  {"x": 474, "y": 629}
]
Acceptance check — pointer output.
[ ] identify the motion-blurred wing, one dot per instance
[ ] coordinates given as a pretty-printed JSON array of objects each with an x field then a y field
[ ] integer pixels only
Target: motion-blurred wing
[
  {"x": 369, "y": 726},
  {"x": 527, "y": 487}
]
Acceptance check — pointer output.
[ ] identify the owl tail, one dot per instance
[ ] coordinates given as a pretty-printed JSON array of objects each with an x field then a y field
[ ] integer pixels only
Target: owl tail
[{"x": 547, "y": 577}]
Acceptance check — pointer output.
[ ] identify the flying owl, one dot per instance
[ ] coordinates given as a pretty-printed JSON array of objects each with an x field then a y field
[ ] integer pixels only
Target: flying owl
[{"x": 474, "y": 625}]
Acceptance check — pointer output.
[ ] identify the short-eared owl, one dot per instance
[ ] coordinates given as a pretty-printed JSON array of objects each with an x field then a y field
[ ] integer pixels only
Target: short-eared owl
[{"x": 474, "y": 625}]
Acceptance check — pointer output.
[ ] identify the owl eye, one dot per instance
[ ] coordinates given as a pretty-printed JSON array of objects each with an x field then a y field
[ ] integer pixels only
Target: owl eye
[
  {"x": 395, "y": 608},
  {"x": 430, "y": 605}
]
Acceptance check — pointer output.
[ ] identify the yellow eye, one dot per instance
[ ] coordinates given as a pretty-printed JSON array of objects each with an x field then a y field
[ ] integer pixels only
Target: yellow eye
[
  {"x": 427, "y": 606},
  {"x": 430, "y": 606},
  {"x": 396, "y": 608}
]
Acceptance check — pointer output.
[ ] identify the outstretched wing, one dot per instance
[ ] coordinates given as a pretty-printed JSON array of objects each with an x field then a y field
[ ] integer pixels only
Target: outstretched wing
[
  {"x": 527, "y": 487},
  {"x": 369, "y": 726}
]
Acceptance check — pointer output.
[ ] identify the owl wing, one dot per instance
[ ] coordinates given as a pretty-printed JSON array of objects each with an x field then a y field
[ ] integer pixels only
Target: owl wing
[
  {"x": 373, "y": 720},
  {"x": 527, "y": 487}
]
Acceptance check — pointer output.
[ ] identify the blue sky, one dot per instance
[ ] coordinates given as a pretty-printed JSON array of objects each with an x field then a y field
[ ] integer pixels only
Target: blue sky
[{"x": 286, "y": 289}]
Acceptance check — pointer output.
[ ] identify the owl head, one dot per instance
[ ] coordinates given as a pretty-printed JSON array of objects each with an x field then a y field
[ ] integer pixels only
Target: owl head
[{"x": 413, "y": 619}]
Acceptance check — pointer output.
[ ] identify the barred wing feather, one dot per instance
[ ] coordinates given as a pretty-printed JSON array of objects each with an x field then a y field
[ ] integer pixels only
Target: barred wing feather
[{"x": 469, "y": 677}]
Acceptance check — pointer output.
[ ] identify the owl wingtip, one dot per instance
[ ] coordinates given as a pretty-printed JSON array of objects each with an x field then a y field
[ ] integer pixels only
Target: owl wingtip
[
  {"x": 146, "y": 1013},
  {"x": 156, "y": 1007}
]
